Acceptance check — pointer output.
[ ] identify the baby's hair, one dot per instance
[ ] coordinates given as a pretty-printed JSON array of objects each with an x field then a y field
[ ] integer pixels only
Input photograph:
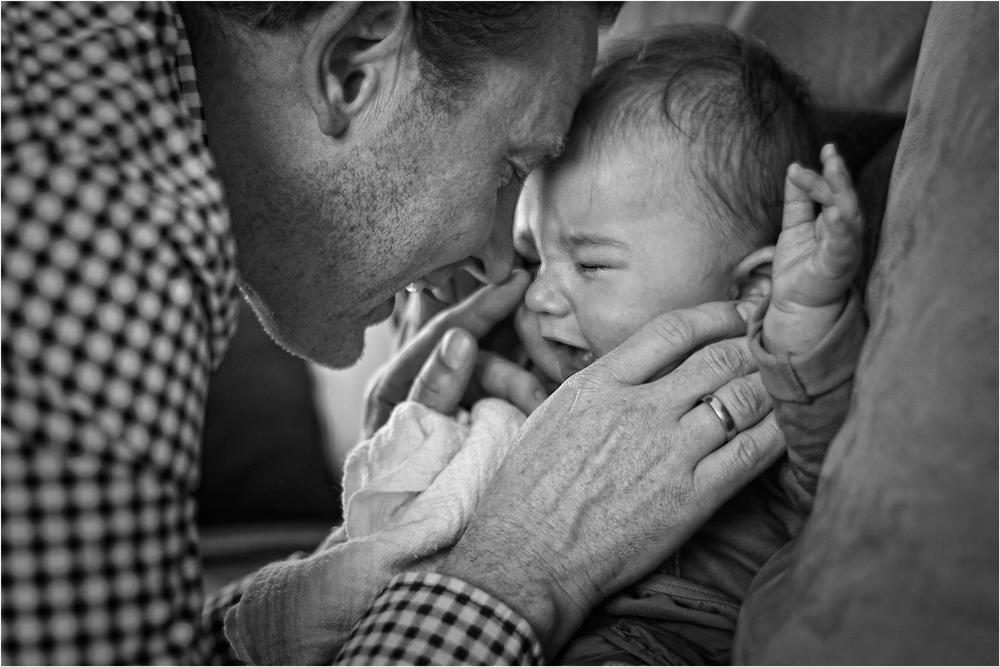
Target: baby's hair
[{"x": 744, "y": 116}]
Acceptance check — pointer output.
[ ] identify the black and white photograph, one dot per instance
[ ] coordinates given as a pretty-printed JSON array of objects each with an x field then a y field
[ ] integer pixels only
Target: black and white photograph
[{"x": 500, "y": 333}]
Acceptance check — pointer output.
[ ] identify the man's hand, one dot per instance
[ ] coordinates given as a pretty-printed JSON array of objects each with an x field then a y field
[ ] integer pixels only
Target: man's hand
[
  {"x": 614, "y": 472},
  {"x": 437, "y": 366},
  {"x": 815, "y": 258}
]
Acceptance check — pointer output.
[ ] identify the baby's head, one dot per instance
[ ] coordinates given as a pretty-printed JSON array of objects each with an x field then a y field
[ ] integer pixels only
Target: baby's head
[{"x": 669, "y": 193}]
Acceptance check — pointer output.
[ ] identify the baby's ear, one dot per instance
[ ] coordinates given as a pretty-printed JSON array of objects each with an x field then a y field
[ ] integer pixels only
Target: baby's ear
[{"x": 752, "y": 276}]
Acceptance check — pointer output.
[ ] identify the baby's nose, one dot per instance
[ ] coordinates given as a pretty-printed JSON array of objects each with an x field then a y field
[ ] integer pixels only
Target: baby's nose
[{"x": 544, "y": 296}]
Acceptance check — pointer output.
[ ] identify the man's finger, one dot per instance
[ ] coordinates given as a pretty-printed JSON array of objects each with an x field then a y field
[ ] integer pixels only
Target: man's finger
[
  {"x": 483, "y": 309},
  {"x": 742, "y": 458},
  {"x": 744, "y": 400},
  {"x": 505, "y": 379},
  {"x": 477, "y": 315},
  {"x": 708, "y": 370},
  {"x": 445, "y": 375},
  {"x": 666, "y": 340}
]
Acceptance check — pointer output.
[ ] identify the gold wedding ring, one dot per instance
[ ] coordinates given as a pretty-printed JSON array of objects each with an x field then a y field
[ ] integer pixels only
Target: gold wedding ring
[{"x": 722, "y": 413}]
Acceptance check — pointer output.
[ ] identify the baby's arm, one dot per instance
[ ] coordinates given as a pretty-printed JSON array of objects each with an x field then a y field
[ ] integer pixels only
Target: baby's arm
[{"x": 808, "y": 339}]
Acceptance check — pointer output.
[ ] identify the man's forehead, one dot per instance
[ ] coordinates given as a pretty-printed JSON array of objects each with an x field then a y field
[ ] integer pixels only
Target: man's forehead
[
  {"x": 553, "y": 92},
  {"x": 547, "y": 118}
]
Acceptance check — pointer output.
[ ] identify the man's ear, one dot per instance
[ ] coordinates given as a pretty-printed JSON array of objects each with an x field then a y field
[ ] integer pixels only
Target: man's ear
[
  {"x": 351, "y": 48},
  {"x": 752, "y": 276}
]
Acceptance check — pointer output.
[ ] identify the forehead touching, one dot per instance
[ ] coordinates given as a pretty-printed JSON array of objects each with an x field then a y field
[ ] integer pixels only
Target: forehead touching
[
  {"x": 538, "y": 133},
  {"x": 552, "y": 79}
]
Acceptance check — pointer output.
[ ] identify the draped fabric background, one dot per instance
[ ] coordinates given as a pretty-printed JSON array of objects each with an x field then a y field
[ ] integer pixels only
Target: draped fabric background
[
  {"x": 898, "y": 563},
  {"x": 859, "y": 56}
]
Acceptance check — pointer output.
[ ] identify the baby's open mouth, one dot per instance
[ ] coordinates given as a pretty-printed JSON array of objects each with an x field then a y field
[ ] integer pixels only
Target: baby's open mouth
[{"x": 570, "y": 357}]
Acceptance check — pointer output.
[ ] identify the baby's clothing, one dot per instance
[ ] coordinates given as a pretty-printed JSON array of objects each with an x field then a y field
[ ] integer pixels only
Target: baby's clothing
[
  {"x": 408, "y": 495},
  {"x": 686, "y": 611}
]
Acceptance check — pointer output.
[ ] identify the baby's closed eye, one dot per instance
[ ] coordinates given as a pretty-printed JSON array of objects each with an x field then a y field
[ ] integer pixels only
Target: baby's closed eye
[
  {"x": 591, "y": 260},
  {"x": 591, "y": 267}
]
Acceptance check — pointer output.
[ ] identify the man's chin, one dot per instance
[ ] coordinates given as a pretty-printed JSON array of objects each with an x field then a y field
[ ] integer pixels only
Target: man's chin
[
  {"x": 331, "y": 339},
  {"x": 341, "y": 342},
  {"x": 332, "y": 349},
  {"x": 340, "y": 358},
  {"x": 337, "y": 344}
]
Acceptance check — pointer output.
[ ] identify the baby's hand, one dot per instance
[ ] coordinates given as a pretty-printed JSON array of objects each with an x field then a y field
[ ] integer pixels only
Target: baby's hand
[{"x": 816, "y": 257}]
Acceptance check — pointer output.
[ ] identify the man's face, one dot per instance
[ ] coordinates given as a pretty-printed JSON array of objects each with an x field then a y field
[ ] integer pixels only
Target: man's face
[
  {"x": 617, "y": 245},
  {"x": 324, "y": 244}
]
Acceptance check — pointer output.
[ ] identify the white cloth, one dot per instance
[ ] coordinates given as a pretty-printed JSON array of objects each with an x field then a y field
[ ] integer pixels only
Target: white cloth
[{"x": 408, "y": 495}]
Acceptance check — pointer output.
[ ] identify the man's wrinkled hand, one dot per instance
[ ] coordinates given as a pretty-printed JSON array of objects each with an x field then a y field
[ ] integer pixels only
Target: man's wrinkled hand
[{"x": 614, "y": 472}]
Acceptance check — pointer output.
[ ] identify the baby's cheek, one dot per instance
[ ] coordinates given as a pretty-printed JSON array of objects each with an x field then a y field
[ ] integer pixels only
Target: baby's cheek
[
  {"x": 526, "y": 326},
  {"x": 605, "y": 334},
  {"x": 528, "y": 331}
]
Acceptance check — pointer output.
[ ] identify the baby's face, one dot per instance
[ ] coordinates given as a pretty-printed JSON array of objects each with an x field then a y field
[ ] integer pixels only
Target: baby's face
[{"x": 616, "y": 246}]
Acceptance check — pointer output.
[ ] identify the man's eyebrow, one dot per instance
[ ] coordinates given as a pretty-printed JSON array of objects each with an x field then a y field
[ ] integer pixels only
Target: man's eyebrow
[{"x": 577, "y": 239}]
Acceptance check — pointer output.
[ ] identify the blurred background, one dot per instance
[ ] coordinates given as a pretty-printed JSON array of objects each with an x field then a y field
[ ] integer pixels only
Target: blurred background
[{"x": 278, "y": 428}]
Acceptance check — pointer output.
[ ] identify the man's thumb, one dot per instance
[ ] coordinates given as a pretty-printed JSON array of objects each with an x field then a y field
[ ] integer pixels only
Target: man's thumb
[{"x": 441, "y": 382}]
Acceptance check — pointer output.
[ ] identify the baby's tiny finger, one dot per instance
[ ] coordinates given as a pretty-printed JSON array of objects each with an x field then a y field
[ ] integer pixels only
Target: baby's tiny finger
[
  {"x": 840, "y": 255},
  {"x": 840, "y": 242},
  {"x": 835, "y": 170},
  {"x": 842, "y": 218},
  {"x": 802, "y": 177},
  {"x": 799, "y": 206},
  {"x": 812, "y": 183},
  {"x": 822, "y": 193}
]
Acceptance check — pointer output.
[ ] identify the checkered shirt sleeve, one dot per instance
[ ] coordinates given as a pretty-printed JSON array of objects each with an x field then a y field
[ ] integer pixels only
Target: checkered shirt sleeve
[
  {"x": 430, "y": 619},
  {"x": 118, "y": 299}
]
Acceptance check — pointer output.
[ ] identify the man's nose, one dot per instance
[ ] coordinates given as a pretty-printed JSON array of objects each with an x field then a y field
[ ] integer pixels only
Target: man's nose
[
  {"x": 544, "y": 296},
  {"x": 497, "y": 256}
]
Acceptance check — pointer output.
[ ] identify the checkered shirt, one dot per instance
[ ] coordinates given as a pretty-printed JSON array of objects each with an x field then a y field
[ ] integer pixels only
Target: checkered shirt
[
  {"x": 118, "y": 298},
  {"x": 430, "y": 619}
]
